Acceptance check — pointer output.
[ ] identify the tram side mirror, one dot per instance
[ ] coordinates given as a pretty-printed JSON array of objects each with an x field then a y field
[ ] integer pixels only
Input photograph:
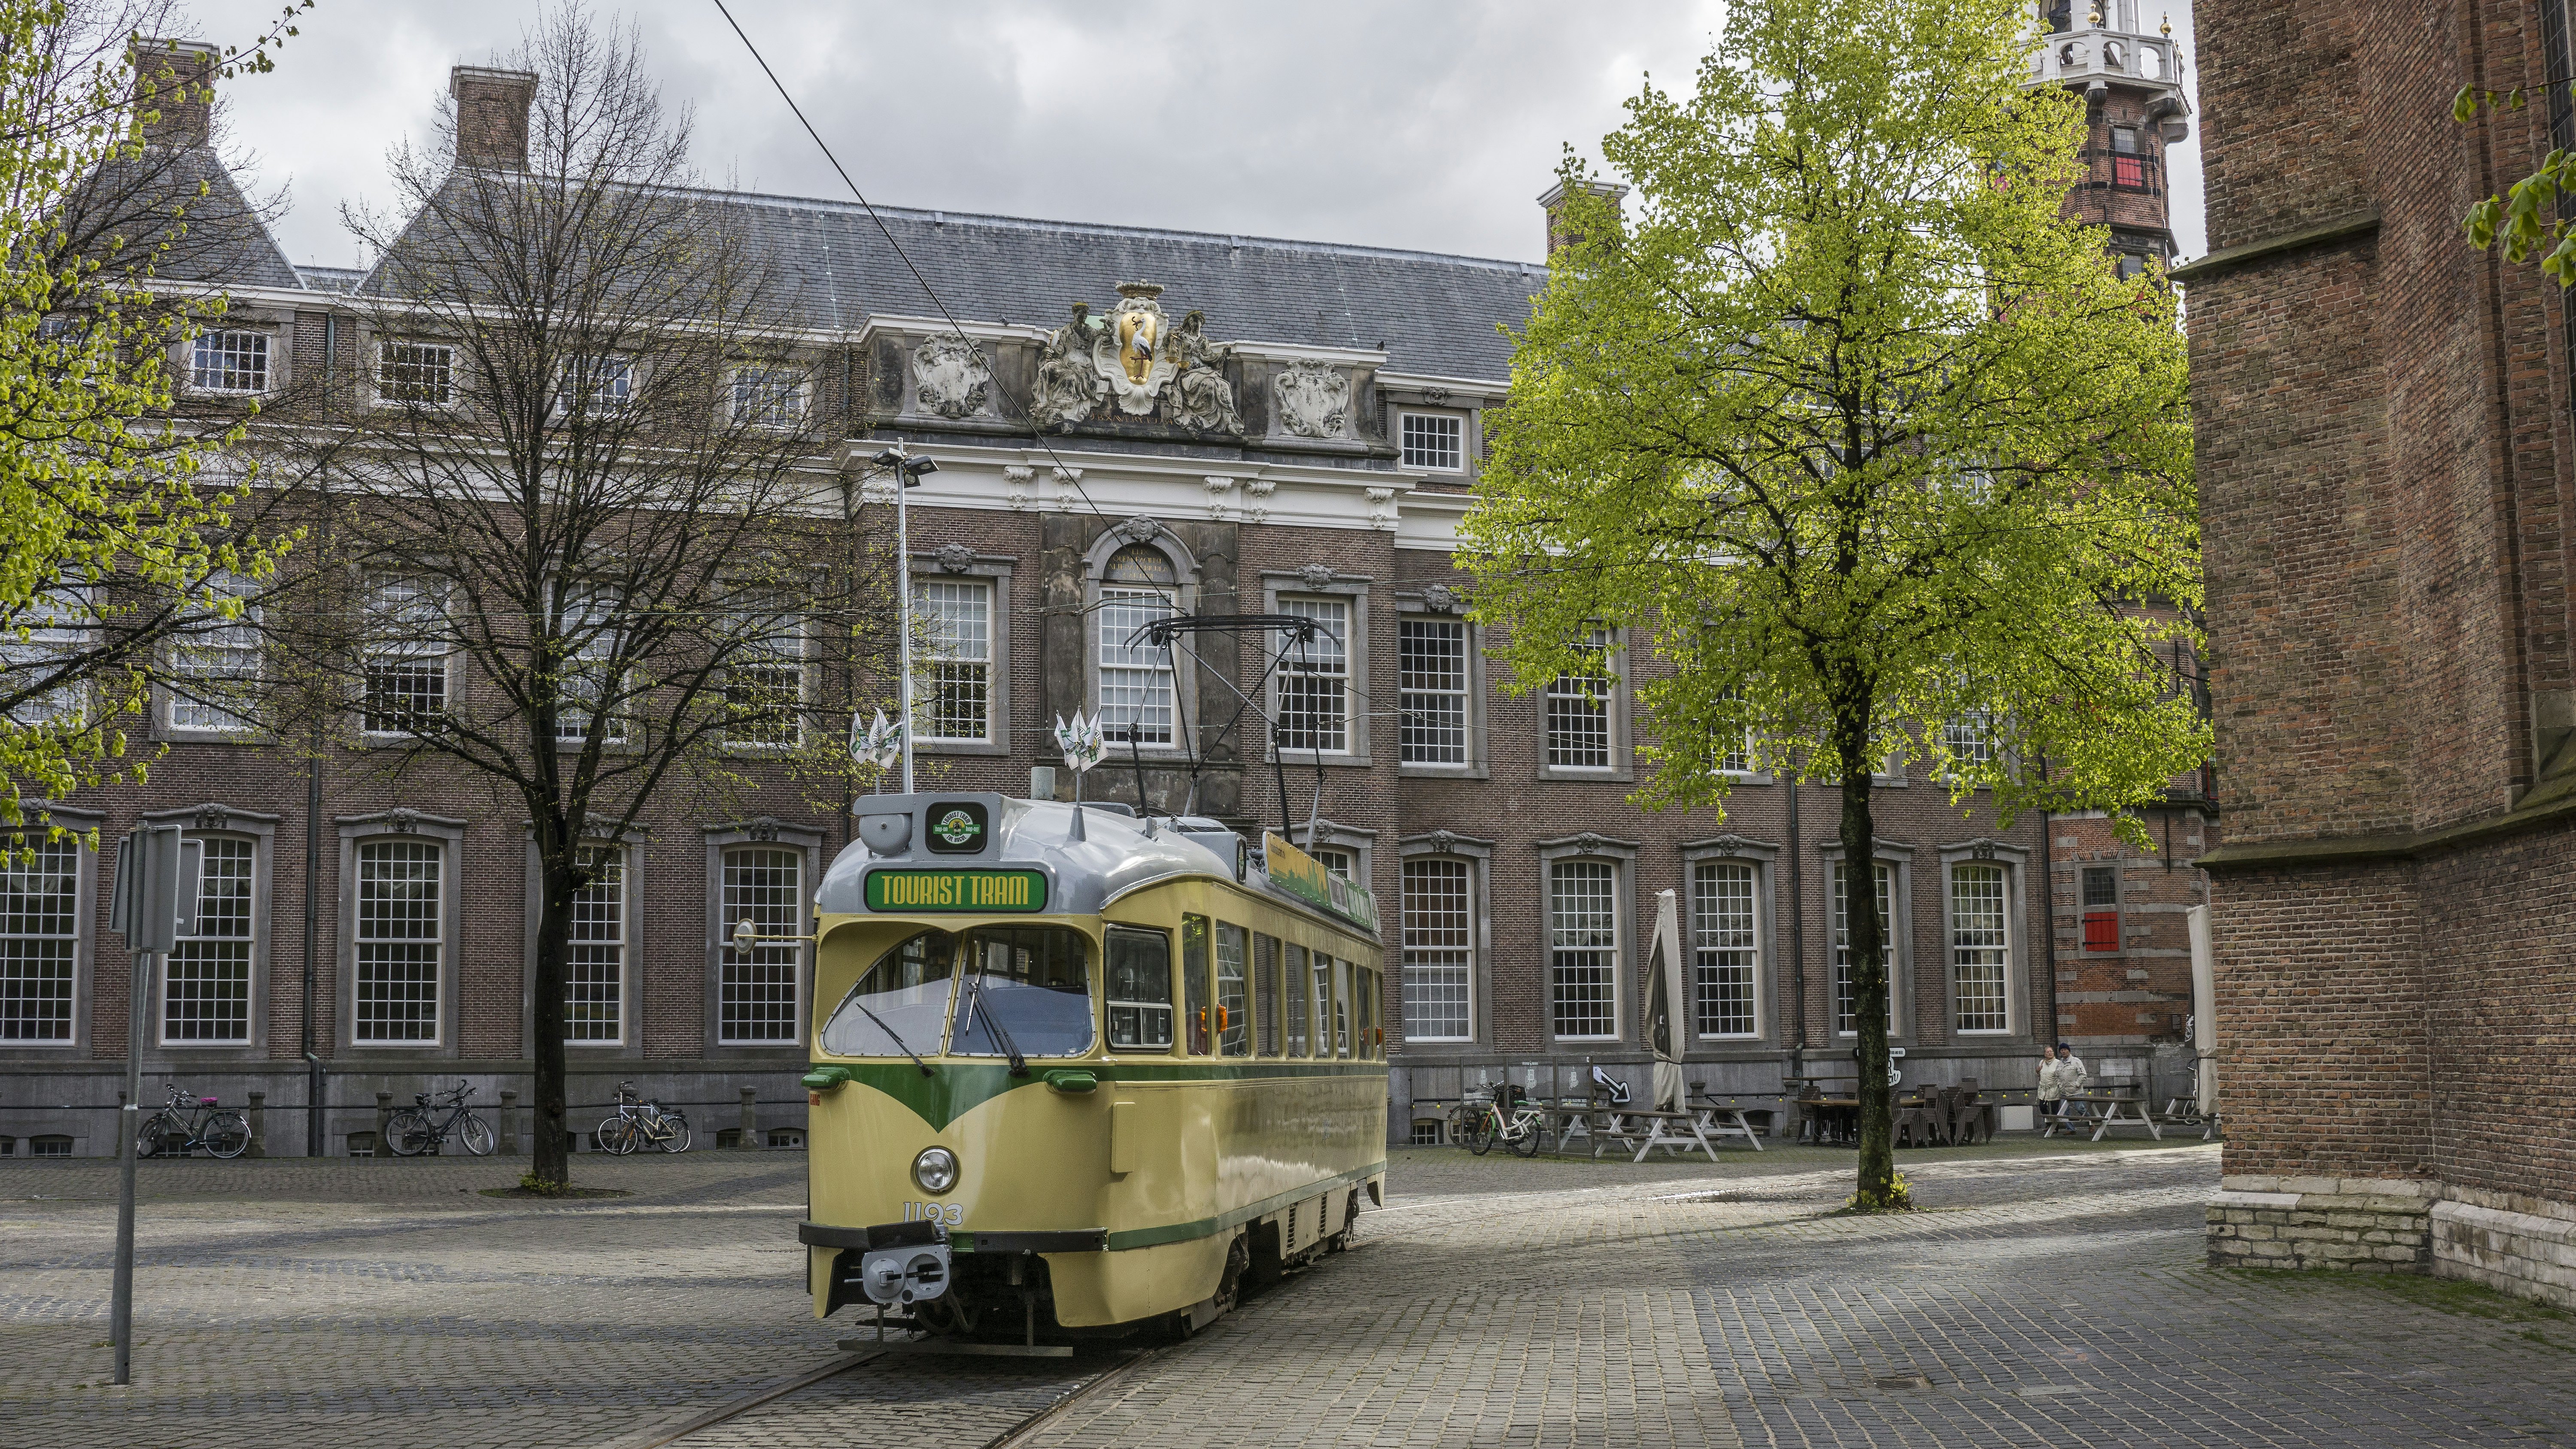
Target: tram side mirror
[{"x": 744, "y": 933}]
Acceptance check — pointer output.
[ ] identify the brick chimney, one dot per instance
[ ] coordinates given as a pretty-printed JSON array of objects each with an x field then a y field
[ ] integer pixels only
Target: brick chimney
[
  {"x": 492, "y": 116},
  {"x": 175, "y": 79},
  {"x": 1553, "y": 200}
]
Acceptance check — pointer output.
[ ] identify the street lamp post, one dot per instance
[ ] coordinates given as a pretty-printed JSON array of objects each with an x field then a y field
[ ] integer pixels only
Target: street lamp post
[{"x": 908, "y": 472}]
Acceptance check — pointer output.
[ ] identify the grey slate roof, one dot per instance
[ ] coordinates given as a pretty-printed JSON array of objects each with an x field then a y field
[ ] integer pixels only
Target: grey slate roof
[
  {"x": 1435, "y": 314},
  {"x": 224, "y": 240}
]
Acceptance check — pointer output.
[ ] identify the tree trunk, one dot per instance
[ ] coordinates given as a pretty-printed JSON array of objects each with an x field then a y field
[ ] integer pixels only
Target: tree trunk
[
  {"x": 1866, "y": 936},
  {"x": 551, "y": 1157}
]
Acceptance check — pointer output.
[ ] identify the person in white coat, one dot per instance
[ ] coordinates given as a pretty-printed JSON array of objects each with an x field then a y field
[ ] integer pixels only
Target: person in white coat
[{"x": 2071, "y": 1078}]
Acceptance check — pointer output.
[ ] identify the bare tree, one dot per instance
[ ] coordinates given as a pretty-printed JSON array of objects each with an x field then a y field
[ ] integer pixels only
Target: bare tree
[{"x": 583, "y": 521}]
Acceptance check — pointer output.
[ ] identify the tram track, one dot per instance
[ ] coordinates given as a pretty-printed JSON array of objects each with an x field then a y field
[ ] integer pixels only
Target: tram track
[{"x": 734, "y": 1422}]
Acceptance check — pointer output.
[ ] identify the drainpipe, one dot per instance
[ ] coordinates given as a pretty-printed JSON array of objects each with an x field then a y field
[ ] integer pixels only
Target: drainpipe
[{"x": 1797, "y": 934}]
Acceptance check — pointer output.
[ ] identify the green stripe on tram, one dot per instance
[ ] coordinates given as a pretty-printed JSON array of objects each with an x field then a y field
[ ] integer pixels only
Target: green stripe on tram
[
  {"x": 1204, "y": 1227},
  {"x": 956, "y": 1088}
]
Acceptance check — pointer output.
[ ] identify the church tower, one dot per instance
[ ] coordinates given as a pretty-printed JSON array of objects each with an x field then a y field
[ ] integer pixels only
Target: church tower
[{"x": 2131, "y": 81}]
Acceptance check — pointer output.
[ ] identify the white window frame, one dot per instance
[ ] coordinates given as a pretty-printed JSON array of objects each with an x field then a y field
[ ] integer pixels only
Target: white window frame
[
  {"x": 259, "y": 830},
  {"x": 579, "y": 615},
  {"x": 1763, "y": 860},
  {"x": 630, "y": 858},
  {"x": 406, "y": 826},
  {"x": 1465, "y": 952},
  {"x": 52, "y": 639},
  {"x": 1111, "y": 539},
  {"x": 620, "y": 382},
  {"x": 1280, "y": 590},
  {"x": 942, "y": 651},
  {"x": 1327, "y": 727},
  {"x": 994, "y": 572},
  {"x": 763, "y": 833},
  {"x": 1614, "y": 705},
  {"x": 1621, "y": 857},
  {"x": 379, "y": 645},
  {"x": 1406, "y": 417},
  {"x": 797, "y": 631},
  {"x": 1471, "y": 698},
  {"x": 2014, "y": 861},
  {"x": 190, "y": 656},
  {"x": 756, "y": 375},
  {"x": 84, "y": 937},
  {"x": 1899, "y": 860},
  {"x": 391, "y": 393},
  {"x": 221, "y": 338},
  {"x": 1477, "y": 855}
]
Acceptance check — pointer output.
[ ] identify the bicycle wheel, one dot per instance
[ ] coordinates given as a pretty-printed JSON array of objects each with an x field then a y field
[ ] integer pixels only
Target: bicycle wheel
[
  {"x": 408, "y": 1133},
  {"x": 610, "y": 1129},
  {"x": 630, "y": 1135},
  {"x": 148, "y": 1137},
  {"x": 678, "y": 1138},
  {"x": 227, "y": 1134},
  {"x": 1480, "y": 1135},
  {"x": 476, "y": 1134},
  {"x": 1533, "y": 1132}
]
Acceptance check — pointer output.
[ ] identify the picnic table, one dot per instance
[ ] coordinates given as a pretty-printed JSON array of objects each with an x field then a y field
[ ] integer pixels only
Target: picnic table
[
  {"x": 2112, "y": 1103},
  {"x": 1646, "y": 1129}
]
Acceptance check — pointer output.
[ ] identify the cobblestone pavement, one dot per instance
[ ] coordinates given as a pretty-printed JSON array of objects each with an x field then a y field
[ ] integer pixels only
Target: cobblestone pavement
[{"x": 2047, "y": 1294}]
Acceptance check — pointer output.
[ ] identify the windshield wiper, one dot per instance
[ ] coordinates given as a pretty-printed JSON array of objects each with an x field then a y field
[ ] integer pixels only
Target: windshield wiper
[
  {"x": 992, "y": 1023},
  {"x": 890, "y": 1036}
]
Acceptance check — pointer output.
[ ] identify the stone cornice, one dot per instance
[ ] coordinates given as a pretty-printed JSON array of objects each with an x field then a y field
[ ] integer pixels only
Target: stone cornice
[
  {"x": 2395, "y": 845},
  {"x": 2229, "y": 258}
]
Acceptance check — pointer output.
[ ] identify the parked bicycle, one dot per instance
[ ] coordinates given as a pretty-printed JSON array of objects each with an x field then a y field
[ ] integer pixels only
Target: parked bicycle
[
  {"x": 419, "y": 1128},
  {"x": 1484, "y": 1121},
  {"x": 187, "y": 1122},
  {"x": 638, "y": 1123}
]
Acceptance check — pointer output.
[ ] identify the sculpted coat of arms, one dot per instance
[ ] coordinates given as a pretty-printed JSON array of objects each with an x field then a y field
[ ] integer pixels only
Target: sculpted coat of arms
[
  {"x": 950, "y": 375},
  {"x": 1134, "y": 358},
  {"x": 1314, "y": 399}
]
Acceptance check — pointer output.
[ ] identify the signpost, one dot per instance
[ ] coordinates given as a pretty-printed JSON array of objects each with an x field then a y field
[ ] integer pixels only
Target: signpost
[{"x": 155, "y": 903}]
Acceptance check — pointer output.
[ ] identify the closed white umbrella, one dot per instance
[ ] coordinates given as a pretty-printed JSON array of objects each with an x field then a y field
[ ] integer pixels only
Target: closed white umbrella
[
  {"x": 1666, "y": 1004},
  {"x": 2204, "y": 1010}
]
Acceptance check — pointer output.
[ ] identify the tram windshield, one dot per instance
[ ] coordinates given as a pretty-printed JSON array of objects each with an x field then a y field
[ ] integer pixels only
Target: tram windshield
[
  {"x": 898, "y": 1008},
  {"x": 1022, "y": 987}
]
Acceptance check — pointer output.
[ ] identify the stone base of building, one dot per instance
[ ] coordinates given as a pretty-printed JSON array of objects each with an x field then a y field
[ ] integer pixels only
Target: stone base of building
[
  {"x": 2517, "y": 1245},
  {"x": 2367, "y": 1225}
]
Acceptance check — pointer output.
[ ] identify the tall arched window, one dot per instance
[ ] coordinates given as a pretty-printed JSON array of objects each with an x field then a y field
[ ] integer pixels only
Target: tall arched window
[{"x": 1137, "y": 588}]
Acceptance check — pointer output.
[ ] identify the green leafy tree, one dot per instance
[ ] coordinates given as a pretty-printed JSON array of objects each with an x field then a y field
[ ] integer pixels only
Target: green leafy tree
[
  {"x": 111, "y": 535},
  {"x": 1863, "y": 441}
]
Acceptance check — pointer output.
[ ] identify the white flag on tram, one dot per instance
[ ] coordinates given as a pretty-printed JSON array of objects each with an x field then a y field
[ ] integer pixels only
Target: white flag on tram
[{"x": 879, "y": 743}]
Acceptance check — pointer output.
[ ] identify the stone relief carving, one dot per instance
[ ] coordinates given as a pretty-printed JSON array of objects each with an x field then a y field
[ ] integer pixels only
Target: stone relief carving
[
  {"x": 1381, "y": 509},
  {"x": 1315, "y": 575},
  {"x": 1068, "y": 488},
  {"x": 1441, "y": 599},
  {"x": 1218, "y": 486},
  {"x": 402, "y": 820},
  {"x": 1138, "y": 529},
  {"x": 1201, "y": 397},
  {"x": 1258, "y": 511},
  {"x": 1442, "y": 841},
  {"x": 1068, "y": 385},
  {"x": 1314, "y": 400},
  {"x": 214, "y": 817},
  {"x": 950, "y": 375},
  {"x": 955, "y": 558},
  {"x": 1017, "y": 481}
]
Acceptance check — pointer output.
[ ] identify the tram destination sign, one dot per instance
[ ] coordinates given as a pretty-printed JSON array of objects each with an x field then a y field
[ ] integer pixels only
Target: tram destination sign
[{"x": 957, "y": 890}]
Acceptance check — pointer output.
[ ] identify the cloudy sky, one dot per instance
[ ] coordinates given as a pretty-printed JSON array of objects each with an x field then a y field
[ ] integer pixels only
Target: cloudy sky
[{"x": 1395, "y": 123}]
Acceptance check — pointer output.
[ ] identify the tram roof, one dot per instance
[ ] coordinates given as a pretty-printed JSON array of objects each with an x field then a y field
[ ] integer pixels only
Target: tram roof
[{"x": 1113, "y": 856}]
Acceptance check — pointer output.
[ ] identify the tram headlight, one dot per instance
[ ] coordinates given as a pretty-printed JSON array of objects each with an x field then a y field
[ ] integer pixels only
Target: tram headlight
[{"x": 935, "y": 1169}]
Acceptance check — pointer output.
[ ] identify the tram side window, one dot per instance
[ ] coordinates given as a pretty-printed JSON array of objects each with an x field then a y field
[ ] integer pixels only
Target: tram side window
[
  {"x": 1140, "y": 990},
  {"x": 1194, "y": 982},
  {"x": 1364, "y": 998},
  {"x": 1297, "y": 988},
  {"x": 1341, "y": 1008},
  {"x": 1027, "y": 987},
  {"x": 1323, "y": 978},
  {"x": 899, "y": 1006},
  {"x": 1265, "y": 989},
  {"x": 1233, "y": 991}
]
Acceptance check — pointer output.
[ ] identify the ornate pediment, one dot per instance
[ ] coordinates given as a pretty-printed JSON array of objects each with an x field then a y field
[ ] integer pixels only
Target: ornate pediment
[
  {"x": 950, "y": 376},
  {"x": 1134, "y": 363}
]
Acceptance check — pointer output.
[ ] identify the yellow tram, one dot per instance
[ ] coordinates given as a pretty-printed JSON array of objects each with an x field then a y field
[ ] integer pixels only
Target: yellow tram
[{"x": 1079, "y": 1072}]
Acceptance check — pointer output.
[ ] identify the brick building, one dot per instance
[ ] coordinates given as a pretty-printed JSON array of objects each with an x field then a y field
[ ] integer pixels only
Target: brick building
[
  {"x": 1317, "y": 463},
  {"x": 2386, "y": 461}
]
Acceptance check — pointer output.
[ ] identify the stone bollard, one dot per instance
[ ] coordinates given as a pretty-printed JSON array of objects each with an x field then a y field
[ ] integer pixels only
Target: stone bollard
[
  {"x": 259, "y": 1124},
  {"x": 509, "y": 1124},
  {"x": 384, "y": 1122},
  {"x": 750, "y": 1118}
]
